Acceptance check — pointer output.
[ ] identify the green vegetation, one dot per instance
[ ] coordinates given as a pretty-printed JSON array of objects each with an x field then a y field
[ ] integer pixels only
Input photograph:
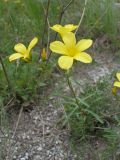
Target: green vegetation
[{"x": 99, "y": 120}]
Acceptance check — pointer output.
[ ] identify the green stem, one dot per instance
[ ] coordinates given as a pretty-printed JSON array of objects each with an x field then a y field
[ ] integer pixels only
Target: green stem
[
  {"x": 5, "y": 73},
  {"x": 72, "y": 89},
  {"x": 45, "y": 23}
]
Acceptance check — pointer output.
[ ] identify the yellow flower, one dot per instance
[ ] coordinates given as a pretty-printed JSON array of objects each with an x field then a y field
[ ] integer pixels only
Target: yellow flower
[
  {"x": 117, "y": 83},
  {"x": 114, "y": 90},
  {"x": 22, "y": 51},
  {"x": 71, "y": 50},
  {"x": 62, "y": 30},
  {"x": 43, "y": 54}
]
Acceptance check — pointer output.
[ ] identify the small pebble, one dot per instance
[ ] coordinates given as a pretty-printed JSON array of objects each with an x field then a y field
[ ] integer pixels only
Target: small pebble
[
  {"x": 39, "y": 148},
  {"x": 23, "y": 158}
]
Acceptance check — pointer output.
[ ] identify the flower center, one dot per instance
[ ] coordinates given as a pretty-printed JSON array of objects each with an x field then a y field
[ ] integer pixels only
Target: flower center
[
  {"x": 71, "y": 51},
  {"x": 26, "y": 55}
]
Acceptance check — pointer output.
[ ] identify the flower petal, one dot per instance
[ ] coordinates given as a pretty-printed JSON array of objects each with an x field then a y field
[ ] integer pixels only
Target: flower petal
[
  {"x": 70, "y": 27},
  {"x": 69, "y": 39},
  {"x": 65, "y": 62},
  {"x": 118, "y": 76},
  {"x": 32, "y": 43},
  {"x": 116, "y": 84},
  {"x": 83, "y": 57},
  {"x": 15, "y": 56},
  {"x": 58, "y": 47},
  {"x": 63, "y": 29},
  {"x": 84, "y": 44},
  {"x": 20, "y": 48},
  {"x": 56, "y": 27}
]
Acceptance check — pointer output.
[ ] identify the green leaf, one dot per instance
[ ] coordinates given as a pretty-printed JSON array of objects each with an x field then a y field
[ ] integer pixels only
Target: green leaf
[
  {"x": 94, "y": 115},
  {"x": 71, "y": 113},
  {"x": 70, "y": 103},
  {"x": 82, "y": 101}
]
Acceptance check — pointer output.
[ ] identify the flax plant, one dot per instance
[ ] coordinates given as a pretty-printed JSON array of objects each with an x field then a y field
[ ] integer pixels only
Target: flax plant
[{"x": 70, "y": 51}]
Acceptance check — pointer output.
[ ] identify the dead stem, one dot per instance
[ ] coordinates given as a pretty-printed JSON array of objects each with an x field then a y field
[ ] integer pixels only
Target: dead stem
[
  {"x": 45, "y": 14},
  {"x": 7, "y": 106},
  {"x": 16, "y": 126},
  {"x": 5, "y": 73},
  {"x": 43, "y": 131},
  {"x": 82, "y": 16}
]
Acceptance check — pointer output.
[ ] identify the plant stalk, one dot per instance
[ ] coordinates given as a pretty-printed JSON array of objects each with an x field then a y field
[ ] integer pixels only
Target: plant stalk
[
  {"x": 45, "y": 24},
  {"x": 63, "y": 9},
  {"x": 82, "y": 16},
  {"x": 5, "y": 73},
  {"x": 72, "y": 89}
]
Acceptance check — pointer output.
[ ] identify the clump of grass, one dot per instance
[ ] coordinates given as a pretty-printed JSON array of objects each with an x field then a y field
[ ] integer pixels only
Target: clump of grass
[{"x": 96, "y": 103}]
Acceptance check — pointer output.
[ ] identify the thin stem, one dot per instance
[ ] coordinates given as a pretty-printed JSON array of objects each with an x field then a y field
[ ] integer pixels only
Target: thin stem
[
  {"x": 5, "y": 73},
  {"x": 72, "y": 90},
  {"x": 82, "y": 16},
  {"x": 63, "y": 9},
  {"x": 14, "y": 132},
  {"x": 45, "y": 14},
  {"x": 46, "y": 20},
  {"x": 110, "y": 115},
  {"x": 48, "y": 41}
]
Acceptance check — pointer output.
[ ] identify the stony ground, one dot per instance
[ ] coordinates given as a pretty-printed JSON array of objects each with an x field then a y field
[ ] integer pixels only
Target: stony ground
[{"x": 38, "y": 138}]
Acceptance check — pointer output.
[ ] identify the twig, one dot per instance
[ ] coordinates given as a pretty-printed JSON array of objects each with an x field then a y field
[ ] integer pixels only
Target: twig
[
  {"x": 5, "y": 73},
  {"x": 7, "y": 105},
  {"x": 45, "y": 14},
  {"x": 63, "y": 9},
  {"x": 17, "y": 122},
  {"x": 110, "y": 115},
  {"x": 43, "y": 130},
  {"x": 82, "y": 16},
  {"x": 8, "y": 152}
]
